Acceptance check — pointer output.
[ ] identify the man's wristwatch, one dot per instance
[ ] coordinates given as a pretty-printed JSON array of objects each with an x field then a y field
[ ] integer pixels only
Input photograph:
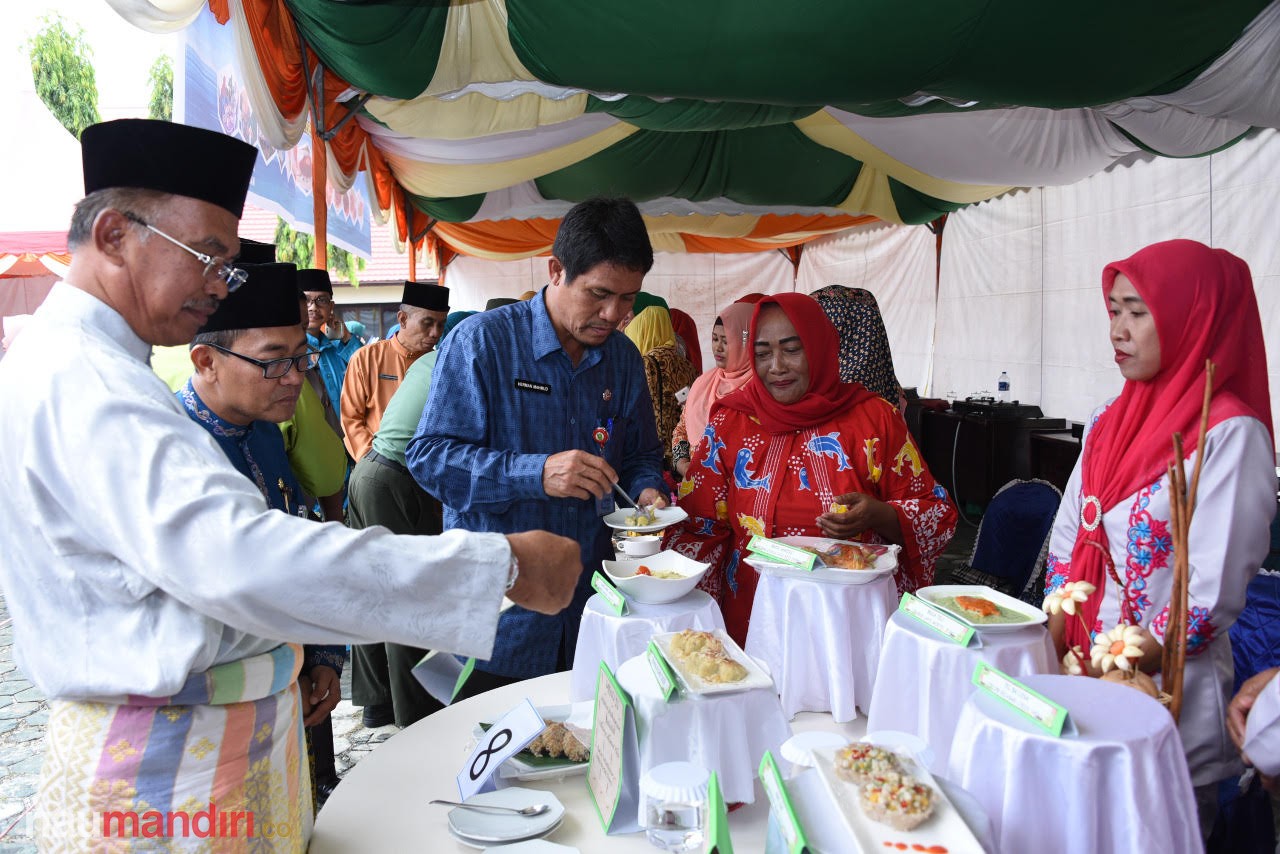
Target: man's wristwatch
[{"x": 513, "y": 572}]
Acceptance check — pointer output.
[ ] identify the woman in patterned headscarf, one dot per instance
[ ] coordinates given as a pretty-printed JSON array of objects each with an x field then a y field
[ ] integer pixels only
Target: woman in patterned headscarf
[
  {"x": 666, "y": 371},
  {"x": 864, "y": 344}
]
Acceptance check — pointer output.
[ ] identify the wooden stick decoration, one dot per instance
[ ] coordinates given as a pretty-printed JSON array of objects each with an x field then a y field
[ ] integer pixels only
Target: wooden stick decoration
[{"x": 1182, "y": 501}]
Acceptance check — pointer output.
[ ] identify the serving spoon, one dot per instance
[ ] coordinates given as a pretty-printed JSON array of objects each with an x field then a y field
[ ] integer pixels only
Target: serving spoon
[{"x": 533, "y": 809}]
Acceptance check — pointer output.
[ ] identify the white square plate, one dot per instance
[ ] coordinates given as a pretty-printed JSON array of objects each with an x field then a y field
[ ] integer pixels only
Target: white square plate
[
  {"x": 945, "y": 827},
  {"x": 756, "y": 677}
]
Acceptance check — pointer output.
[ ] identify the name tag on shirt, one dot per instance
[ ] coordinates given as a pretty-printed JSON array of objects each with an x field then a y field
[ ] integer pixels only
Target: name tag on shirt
[
  {"x": 391, "y": 377},
  {"x": 530, "y": 385}
]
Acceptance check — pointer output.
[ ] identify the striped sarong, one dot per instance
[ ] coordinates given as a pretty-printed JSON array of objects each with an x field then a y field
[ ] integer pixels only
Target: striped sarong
[{"x": 219, "y": 766}]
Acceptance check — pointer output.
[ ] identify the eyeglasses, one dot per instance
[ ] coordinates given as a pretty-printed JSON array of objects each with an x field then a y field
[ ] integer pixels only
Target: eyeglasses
[
  {"x": 274, "y": 369},
  {"x": 232, "y": 277},
  {"x": 322, "y": 302}
]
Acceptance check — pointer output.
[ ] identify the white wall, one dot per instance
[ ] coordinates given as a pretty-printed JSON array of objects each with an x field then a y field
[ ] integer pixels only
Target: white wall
[
  {"x": 897, "y": 264},
  {"x": 700, "y": 284},
  {"x": 1019, "y": 288},
  {"x": 1020, "y": 285}
]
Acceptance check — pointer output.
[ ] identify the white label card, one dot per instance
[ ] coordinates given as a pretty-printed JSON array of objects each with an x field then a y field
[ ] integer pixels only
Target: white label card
[
  {"x": 611, "y": 595},
  {"x": 1036, "y": 708},
  {"x": 781, "y": 552},
  {"x": 942, "y": 623},
  {"x": 508, "y": 736}
]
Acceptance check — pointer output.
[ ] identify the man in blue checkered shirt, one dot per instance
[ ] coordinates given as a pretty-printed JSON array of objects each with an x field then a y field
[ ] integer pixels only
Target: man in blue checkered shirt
[{"x": 536, "y": 410}]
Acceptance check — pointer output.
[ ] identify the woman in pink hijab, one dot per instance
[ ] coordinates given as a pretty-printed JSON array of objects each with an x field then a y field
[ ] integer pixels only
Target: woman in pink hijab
[{"x": 732, "y": 370}]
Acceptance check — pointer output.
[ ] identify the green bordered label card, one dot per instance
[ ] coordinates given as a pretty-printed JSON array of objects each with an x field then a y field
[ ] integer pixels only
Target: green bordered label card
[
  {"x": 1029, "y": 705},
  {"x": 662, "y": 672},
  {"x": 610, "y": 594},
  {"x": 782, "y": 814},
  {"x": 613, "y": 775},
  {"x": 778, "y": 552},
  {"x": 941, "y": 622},
  {"x": 718, "y": 841}
]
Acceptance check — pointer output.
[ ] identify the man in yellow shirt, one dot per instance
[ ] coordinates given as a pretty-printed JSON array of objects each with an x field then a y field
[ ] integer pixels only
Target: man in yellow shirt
[{"x": 375, "y": 371}]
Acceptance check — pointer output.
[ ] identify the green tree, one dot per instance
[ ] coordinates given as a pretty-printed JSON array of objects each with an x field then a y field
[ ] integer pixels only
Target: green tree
[
  {"x": 161, "y": 80},
  {"x": 62, "y": 69},
  {"x": 297, "y": 247}
]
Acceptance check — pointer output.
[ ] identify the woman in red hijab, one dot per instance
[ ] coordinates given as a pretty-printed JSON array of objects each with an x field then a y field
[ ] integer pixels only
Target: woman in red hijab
[
  {"x": 792, "y": 442},
  {"x": 1173, "y": 305},
  {"x": 687, "y": 333}
]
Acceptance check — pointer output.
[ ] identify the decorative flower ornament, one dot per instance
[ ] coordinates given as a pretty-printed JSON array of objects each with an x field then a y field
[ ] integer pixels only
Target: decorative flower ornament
[
  {"x": 1067, "y": 597},
  {"x": 1121, "y": 647},
  {"x": 1071, "y": 662}
]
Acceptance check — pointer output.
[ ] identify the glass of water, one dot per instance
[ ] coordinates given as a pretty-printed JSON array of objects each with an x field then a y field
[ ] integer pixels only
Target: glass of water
[{"x": 674, "y": 806}]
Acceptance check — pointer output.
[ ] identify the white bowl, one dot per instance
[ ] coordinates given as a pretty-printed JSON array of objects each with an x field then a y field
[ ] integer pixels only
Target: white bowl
[
  {"x": 641, "y": 546},
  {"x": 648, "y": 590}
]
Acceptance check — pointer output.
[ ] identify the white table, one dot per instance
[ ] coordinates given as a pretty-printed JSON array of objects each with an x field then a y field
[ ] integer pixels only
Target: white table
[
  {"x": 381, "y": 804},
  {"x": 821, "y": 640},
  {"x": 926, "y": 678},
  {"x": 604, "y": 636},
  {"x": 726, "y": 733},
  {"x": 1121, "y": 785}
]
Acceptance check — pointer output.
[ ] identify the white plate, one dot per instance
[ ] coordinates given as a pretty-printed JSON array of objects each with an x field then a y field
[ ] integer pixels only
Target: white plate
[
  {"x": 756, "y": 677},
  {"x": 942, "y": 591},
  {"x": 535, "y": 846},
  {"x": 667, "y": 516},
  {"x": 489, "y": 845},
  {"x": 885, "y": 564},
  {"x": 480, "y": 828},
  {"x": 945, "y": 827}
]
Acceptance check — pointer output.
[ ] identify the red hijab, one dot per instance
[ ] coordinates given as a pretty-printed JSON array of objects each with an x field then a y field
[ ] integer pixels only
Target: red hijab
[
  {"x": 826, "y": 398},
  {"x": 1204, "y": 307},
  {"x": 688, "y": 332}
]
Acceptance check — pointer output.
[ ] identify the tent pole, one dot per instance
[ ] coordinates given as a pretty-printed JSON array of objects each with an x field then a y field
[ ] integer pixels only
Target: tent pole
[{"x": 319, "y": 203}]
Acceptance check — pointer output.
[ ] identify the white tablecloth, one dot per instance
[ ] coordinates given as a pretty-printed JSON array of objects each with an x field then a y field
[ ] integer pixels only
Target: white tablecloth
[
  {"x": 381, "y": 805},
  {"x": 726, "y": 733},
  {"x": 1121, "y": 785},
  {"x": 604, "y": 636},
  {"x": 821, "y": 640},
  {"x": 926, "y": 678}
]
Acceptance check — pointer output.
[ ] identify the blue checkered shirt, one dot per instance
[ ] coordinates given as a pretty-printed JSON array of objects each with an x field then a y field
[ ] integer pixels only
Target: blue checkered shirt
[{"x": 504, "y": 397}]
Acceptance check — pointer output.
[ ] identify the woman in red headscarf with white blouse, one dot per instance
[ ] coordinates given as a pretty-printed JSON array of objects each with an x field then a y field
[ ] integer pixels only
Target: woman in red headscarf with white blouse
[
  {"x": 793, "y": 441},
  {"x": 1173, "y": 305}
]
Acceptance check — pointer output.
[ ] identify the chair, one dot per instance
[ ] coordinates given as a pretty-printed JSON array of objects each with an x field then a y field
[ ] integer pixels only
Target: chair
[{"x": 1013, "y": 540}]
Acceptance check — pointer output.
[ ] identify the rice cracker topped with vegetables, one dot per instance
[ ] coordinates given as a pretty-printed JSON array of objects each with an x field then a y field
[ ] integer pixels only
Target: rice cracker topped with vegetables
[
  {"x": 903, "y": 803},
  {"x": 866, "y": 763}
]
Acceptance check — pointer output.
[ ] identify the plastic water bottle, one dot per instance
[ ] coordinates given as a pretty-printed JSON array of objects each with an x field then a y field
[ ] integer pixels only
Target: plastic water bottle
[{"x": 1002, "y": 388}]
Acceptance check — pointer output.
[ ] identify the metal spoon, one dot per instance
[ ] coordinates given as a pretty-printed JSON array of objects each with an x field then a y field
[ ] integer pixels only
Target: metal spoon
[
  {"x": 534, "y": 809},
  {"x": 621, "y": 494}
]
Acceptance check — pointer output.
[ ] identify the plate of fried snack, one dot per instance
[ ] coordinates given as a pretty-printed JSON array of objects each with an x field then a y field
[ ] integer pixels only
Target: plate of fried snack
[
  {"x": 710, "y": 662},
  {"x": 890, "y": 801},
  {"x": 837, "y": 562},
  {"x": 562, "y": 748}
]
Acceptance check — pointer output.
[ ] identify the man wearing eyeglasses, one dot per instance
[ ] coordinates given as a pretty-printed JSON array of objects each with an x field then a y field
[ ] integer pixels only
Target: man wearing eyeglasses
[
  {"x": 327, "y": 334},
  {"x": 250, "y": 361},
  {"x": 151, "y": 585}
]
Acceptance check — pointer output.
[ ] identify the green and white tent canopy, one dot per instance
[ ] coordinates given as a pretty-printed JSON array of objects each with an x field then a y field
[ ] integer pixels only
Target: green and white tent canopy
[{"x": 743, "y": 121}]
